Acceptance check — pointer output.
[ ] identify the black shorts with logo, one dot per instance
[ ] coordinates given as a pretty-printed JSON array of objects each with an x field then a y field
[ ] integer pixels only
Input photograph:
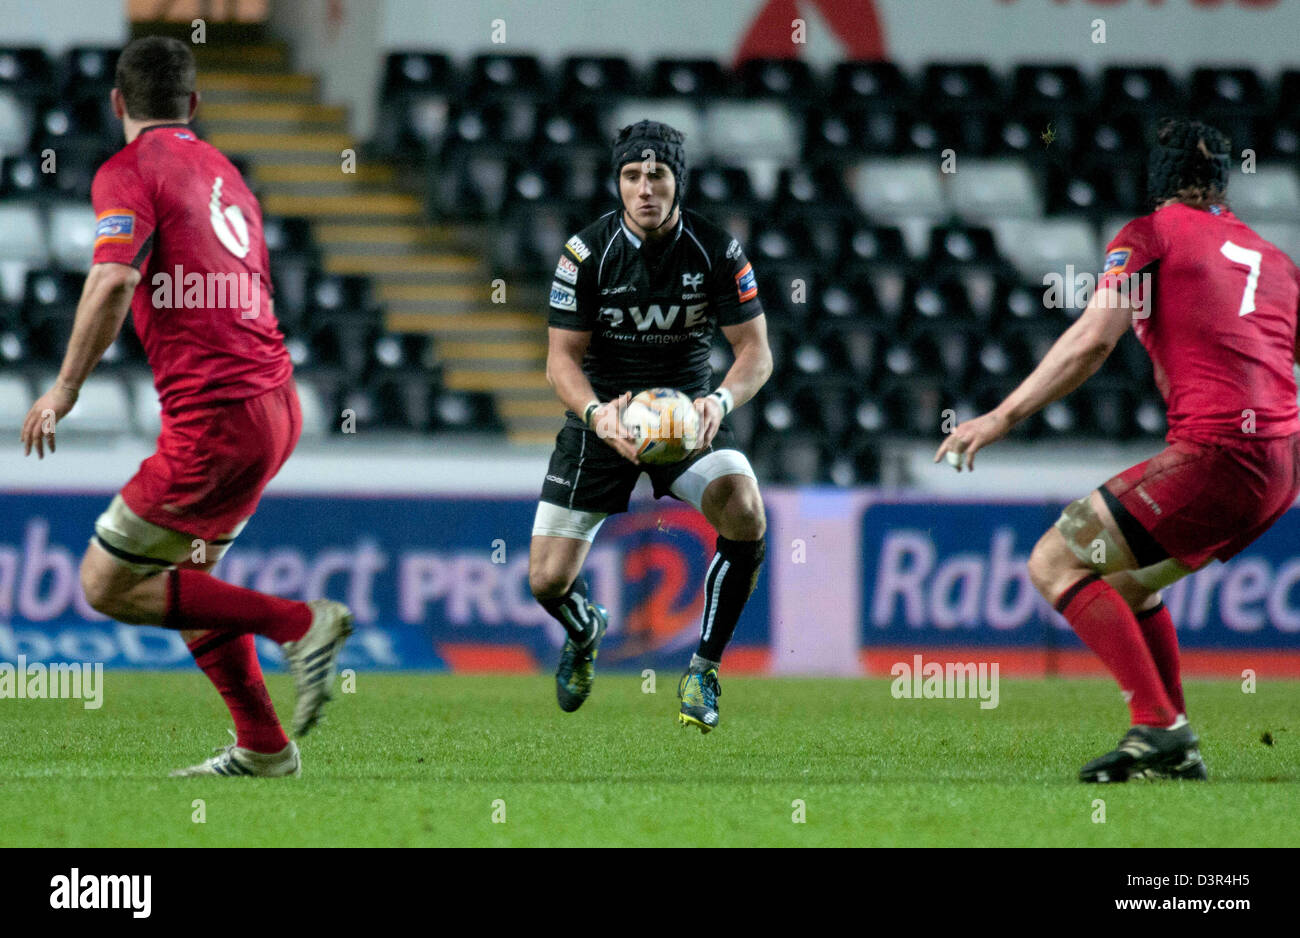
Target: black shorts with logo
[{"x": 587, "y": 474}]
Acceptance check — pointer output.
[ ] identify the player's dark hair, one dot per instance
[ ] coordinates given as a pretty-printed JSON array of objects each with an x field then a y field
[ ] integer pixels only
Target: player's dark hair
[
  {"x": 1189, "y": 162},
  {"x": 156, "y": 76}
]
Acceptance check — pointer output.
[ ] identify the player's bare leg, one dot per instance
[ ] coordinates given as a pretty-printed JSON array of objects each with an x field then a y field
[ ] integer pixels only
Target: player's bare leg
[
  {"x": 174, "y": 592},
  {"x": 1086, "y": 569},
  {"x": 554, "y": 563},
  {"x": 733, "y": 505}
]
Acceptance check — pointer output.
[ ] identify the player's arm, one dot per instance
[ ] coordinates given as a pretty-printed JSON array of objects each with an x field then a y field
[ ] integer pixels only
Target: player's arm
[
  {"x": 565, "y": 349},
  {"x": 748, "y": 373},
  {"x": 1072, "y": 359},
  {"x": 101, "y": 311}
]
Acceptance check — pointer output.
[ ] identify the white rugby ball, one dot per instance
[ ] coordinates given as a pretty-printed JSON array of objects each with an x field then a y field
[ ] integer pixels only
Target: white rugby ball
[{"x": 665, "y": 425}]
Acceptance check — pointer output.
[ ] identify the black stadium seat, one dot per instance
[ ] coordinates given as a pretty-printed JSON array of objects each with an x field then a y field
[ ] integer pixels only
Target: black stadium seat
[
  {"x": 1147, "y": 90},
  {"x": 868, "y": 84},
  {"x": 493, "y": 76},
  {"x": 592, "y": 79},
  {"x": 778, "y": 78},
  {"x": 697, "y": 79}
]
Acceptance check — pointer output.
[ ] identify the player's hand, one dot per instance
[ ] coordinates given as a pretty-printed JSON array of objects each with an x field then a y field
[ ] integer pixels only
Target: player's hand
[
  {"x": 710, "y": 412},
  {"x": 970, "y": 437},
  {"x": 607, "y": 421},
  {"x": 49, "y": 409}
]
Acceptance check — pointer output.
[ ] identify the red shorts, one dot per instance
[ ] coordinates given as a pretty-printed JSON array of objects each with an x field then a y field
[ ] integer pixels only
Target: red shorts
[
  {"x": 213, "y": 462},
  {"x": 1197, "y": 501}
]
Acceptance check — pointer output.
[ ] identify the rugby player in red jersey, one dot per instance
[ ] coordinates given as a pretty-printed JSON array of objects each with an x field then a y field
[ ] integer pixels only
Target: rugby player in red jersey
[
  {"x": 179, "y": 242},
  {"x": 1221, "y": 333}
]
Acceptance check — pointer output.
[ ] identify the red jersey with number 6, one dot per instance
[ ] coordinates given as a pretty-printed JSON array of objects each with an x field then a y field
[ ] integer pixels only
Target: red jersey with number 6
[
  {"x": 176, "y": 209},
  {"x": 1221, "y": 325}
]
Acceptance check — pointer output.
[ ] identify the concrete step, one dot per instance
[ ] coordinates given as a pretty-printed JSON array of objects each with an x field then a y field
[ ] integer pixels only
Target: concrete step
[
  {"x": 286, "y": 175},
  {"x": 357, "y": 205},
  {"x": 289, "y": 83},
  {"x": 427, "y": 263},
  {"x": 480, "y": 379},
  {"x": 378, "y": 239},
  {"x": 265, "y": 55},
  {"x": 549, "y": 408},
  {"x": 537, "y": 438},
  {"x": 302, "y": 141},
  {"x": 505, "y": 322},
  {"x": 255, "y": 114},
  {"x": 511, "y": 350}
]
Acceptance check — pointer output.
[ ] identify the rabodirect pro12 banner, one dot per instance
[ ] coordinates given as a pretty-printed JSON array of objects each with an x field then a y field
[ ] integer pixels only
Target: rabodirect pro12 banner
[
  {"x": 939, "y": 574},
  {"x": 434, "y": 582}
]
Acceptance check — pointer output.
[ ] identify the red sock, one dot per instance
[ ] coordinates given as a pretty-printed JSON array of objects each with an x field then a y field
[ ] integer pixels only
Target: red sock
[
  {"x": 1099, "y": 616},
  {"x": 1162, "y": 641},
  {"x": 208, "y": 603},
  {"x": 230, "y": 662}
]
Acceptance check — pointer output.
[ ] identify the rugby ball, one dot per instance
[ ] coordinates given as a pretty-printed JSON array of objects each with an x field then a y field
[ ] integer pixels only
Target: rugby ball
[{"x": 664, "y": 424}]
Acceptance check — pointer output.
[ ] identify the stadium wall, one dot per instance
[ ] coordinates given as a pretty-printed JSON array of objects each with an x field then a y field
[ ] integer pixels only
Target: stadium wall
[{"x": 56, "y": 25}]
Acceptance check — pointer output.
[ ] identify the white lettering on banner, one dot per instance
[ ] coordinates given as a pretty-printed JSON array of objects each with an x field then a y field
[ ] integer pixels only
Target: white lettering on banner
[
  {"x": 464, "y": 588},
  {"x": 969, "y": 590},
  {"x": 289, "y": 572}
]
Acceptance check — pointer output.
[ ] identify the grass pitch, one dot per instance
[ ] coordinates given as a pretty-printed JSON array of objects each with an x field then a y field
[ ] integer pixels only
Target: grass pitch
[{"x": 423, "y": 760}]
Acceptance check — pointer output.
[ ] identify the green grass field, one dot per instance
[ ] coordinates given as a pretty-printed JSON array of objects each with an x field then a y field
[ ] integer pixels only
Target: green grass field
[{"x": 419, "y": 760}]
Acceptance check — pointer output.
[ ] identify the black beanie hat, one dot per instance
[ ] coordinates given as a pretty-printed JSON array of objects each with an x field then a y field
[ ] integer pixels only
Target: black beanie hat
[
  {"x": 667, "y": 145},
  {"x": 1178, "y": 162}
]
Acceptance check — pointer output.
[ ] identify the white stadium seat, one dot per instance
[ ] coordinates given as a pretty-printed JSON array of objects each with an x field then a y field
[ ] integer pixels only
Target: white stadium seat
[
  {"x": 685, "y": 117},
  {"x": 315, "y": 416},
  {"x": 22, "y": 233},
  {"x": 15, "y": 124},
  {"x": 884, "y": 188},
  {"x": 983, "y": 188},
  {"x": 23, "y": 247},
  {"x": 102, "y": 407},
  {"x": 1272, "y": 193},
  {"x": 1285, "y": 237},
  {"x": 146, "y": 409},
  {"x": 15, "y": 400},
  {"x": 72, "y": 235},
  {"x": 741, "y": 132},
  {"x": 1040, "y": 246}
]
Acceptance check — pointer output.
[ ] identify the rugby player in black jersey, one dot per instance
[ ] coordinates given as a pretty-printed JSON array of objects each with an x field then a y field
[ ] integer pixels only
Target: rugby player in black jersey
[{"x": 636, "y": 298}]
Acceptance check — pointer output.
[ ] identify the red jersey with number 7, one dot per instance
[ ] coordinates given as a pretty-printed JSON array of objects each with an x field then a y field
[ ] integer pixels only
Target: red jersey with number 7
[
  {"x": 176, "y": 209},
  {"x": 1218, "y": 318}
]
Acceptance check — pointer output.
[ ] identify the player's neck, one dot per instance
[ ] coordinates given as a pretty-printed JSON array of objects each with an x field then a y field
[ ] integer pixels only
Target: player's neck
[
  {"x": 663, "y": 231},
  {"x": 133, "y": 128}
]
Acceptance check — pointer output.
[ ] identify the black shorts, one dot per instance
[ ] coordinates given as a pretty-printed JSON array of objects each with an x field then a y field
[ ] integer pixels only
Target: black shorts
[{"x": 587, "y": 474}]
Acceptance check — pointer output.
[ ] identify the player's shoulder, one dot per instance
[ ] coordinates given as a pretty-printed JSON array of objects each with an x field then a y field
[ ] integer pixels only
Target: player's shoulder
[
  {"x": 711, "y": 236},
  {"x": 591, "y": 240},
  {"x": 125, "y": 163}
]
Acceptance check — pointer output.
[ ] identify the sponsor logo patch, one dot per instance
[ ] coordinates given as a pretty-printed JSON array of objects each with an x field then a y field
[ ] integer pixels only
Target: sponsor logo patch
[
  {"x": 117, "y": 225},
  {"x": 746, "y": 285},
  {"x": 1117, "y": 261},
  {"x": 566, "y": 270},
  {"x": 733, "y": 250},
  {"x": 563, "y": 297},
  {"x": 579, "y": 250}
]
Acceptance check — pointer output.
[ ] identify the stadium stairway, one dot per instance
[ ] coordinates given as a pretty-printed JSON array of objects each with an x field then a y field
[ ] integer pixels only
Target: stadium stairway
[{"x": 431, "y": 279}]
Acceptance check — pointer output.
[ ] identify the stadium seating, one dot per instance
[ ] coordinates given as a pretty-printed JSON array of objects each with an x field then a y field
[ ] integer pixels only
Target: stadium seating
[{"x": 893, "y": 289}]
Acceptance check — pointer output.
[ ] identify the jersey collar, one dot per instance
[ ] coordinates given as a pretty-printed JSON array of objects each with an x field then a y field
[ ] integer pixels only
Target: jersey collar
[{"x": 637, "y": 242}]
